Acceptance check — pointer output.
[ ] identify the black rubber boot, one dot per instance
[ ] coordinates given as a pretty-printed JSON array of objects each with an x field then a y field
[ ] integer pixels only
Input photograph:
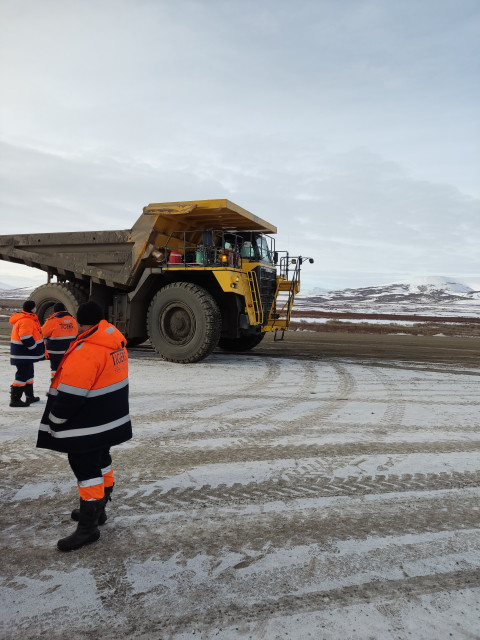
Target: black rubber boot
[
  {"x": 102, "y": 518},
  {"x": 87, "y": 530},
  {"x": 28, "y": 389},
  {"x": 15, "y": 397}
]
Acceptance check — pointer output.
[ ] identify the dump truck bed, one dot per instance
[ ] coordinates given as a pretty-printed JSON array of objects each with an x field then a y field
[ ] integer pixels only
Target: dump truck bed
[
  {"x": 207, "y": 214},
  {"x": 115, "y": 258}
]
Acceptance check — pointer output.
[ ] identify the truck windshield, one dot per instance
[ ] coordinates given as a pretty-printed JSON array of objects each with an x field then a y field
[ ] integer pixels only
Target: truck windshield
[
  {"x": 256, "y": 247},
  {"x": 264, "y": 252}
]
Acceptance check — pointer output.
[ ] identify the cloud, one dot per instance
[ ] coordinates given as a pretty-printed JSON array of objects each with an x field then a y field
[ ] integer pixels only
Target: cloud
[
  {"x": 353, "y": 212},
  {"x": 352, "y": 126}
]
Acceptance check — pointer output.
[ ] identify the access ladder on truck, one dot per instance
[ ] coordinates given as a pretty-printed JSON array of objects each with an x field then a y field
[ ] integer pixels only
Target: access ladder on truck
[{"x": 280, "y": 314}]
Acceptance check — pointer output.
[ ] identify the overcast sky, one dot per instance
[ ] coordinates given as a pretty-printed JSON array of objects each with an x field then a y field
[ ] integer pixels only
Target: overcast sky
[{"x": 352, "y": 125}]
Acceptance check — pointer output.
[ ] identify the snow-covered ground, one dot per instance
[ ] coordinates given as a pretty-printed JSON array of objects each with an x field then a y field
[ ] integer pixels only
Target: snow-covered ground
[{"x": 263, "y": 498}]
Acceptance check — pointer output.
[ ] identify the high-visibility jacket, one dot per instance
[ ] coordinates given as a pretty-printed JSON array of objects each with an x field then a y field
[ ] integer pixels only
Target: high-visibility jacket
[
  {"x": 59, "y": 330},
  {"x": 26, "y": 343},
  {"x": 87, "y": 405}
]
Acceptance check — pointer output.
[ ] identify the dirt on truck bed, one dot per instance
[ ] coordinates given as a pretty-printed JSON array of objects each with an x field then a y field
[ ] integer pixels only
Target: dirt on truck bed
[{"x": 326, "y": 486}]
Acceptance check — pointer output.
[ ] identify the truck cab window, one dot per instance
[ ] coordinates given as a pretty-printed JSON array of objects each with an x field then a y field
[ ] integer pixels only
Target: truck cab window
[{"x": 265, "y": 255}]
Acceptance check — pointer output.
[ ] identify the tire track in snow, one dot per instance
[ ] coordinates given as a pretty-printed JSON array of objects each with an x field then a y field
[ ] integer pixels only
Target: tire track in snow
[
  {"x": 230, "y": 412},
  {"x": 268, "y": 609},
  {"x": 290, "y": 486},
  {"x": 178, "y": 459}
]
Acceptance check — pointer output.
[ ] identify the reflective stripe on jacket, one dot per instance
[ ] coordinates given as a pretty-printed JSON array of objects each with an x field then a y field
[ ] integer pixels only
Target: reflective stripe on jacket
[
  {"x": 26, "y": 343},
  {"x": 60, "y": 329},
  {"x": 87, "y": 406}
]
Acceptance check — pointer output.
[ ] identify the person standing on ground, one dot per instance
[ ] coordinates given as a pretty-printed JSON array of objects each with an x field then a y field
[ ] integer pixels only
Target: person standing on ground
[
  {"x": 26, "y": 348},
  {"x": 59, "y": 330},
  {"x": 87, "y": 412}
]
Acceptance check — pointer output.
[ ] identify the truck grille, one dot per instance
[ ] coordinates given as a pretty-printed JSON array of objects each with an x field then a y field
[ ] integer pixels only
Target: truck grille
[{"x": 267, "y": 282}]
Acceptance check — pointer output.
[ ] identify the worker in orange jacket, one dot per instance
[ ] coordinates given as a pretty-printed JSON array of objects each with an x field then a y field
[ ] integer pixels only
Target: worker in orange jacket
[
  {"x": 87, "y": 412},
  {"x": 59, "y": 330},
  {"x": 26, "y": 348}
]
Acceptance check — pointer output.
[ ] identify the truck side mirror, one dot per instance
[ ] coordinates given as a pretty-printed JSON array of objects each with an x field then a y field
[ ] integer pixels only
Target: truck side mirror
[{"x": 275, "y": 257}]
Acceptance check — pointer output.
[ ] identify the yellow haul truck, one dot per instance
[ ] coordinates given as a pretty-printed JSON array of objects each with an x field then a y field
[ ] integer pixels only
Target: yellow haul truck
[{"x": 189, "y": 276}]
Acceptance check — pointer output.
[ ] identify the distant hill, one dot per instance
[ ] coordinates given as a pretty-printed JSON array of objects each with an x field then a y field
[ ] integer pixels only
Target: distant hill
[
  {"x": 428, "y": 289},
  {"x": 12, "y": 293},
  {"x": 424, "y": 295}
]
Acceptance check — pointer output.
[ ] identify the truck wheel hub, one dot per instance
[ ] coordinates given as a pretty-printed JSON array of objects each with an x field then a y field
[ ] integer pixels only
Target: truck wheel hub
[{"x": 177, "y": 323}]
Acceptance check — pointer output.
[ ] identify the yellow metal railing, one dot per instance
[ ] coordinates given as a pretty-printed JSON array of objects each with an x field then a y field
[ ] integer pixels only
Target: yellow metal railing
[{"x": 280, "y": 313}]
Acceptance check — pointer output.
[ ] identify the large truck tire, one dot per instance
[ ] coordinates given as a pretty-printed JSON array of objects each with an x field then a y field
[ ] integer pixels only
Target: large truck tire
[
  {"x": 244, "y": 343},
  {"x": 47, "y": 295},
  {"x": 183, "y": 322}
]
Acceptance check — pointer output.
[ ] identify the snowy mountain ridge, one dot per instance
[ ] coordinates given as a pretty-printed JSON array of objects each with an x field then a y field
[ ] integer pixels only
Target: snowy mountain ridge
[
  {"x": 427, "y": 289},
  {"x": 425, "y": 296}
]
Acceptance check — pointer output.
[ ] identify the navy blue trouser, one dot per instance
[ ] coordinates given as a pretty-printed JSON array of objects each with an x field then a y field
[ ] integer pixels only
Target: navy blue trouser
[
  {"x": 24, "y": 374},
  {"x": 93, "y": 470},
  {"x": 55, "y": 359}
]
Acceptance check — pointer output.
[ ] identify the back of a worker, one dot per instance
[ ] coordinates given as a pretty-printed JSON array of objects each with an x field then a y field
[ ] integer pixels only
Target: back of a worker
[
  {"x": 59, "y": 330},
  {"x": 26, "y": 348},
  {"x": 87, "y": 412}
]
